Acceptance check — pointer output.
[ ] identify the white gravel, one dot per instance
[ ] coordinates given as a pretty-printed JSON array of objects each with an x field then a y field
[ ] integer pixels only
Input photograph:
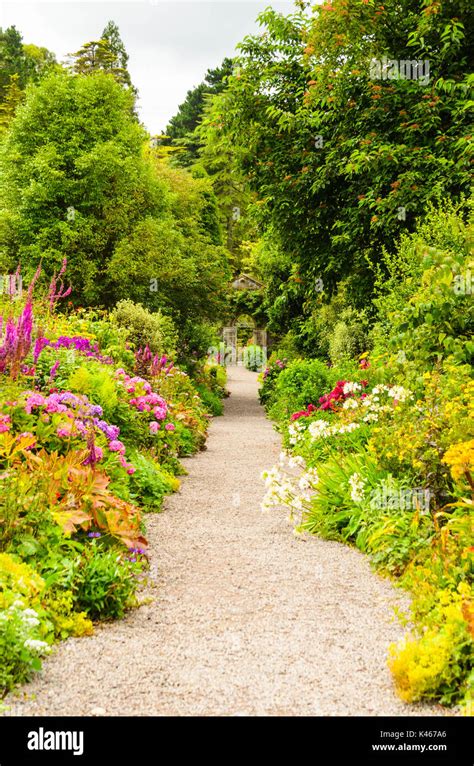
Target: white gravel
[{"x": 246, "y": 618}]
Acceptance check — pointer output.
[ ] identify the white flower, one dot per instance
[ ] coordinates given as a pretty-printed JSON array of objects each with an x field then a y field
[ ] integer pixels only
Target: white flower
[
  {"x": 318, "y": 429},
  {"x": 40, "y": 647},
  {"x": 399, "y": 393},
  {"x": 30, "y": 613},
  {"x": 357, "y": 484},
  {"x": 296, "y": 461},
  {"x": 312, "y": 474},
  {"x": 297, "y": 504},
  {"x": 349, "y": 388},
  {"x": 282, "y": 458},
  {"x": 304, "y": 483},
  {"x": 350, "y": 404},
  {"x": 349, "y": 427},
  {"x": 32, "y": 622},
  {"x": 371, "y": 416}
]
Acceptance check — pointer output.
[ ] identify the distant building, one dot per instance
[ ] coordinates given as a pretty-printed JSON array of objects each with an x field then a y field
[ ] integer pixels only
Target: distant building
[{"x": 244, "y": 282}]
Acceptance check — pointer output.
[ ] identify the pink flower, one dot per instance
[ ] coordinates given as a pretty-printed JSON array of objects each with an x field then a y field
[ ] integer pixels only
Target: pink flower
[
  {"x": 34, "y": 400},
  {"x": 64, "y": 431},
  {"x": 128, "y": 466},
  {"x": 5, "y": 422},
  {"x": 117, "y": 446},
  {"x": 54, "y": 406},
  {"x": 170, "y": 427},
  {"x": 154, "y": 427},
  {"x": 160, "y": 412}
]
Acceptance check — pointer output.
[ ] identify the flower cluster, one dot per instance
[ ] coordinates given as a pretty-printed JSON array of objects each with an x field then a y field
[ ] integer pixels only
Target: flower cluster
[
  {"x": 77, "y": 342},
  {"x": 15, "y": 340},
  {"x": 144, "y": 399},
  {"x": 341, "y": 391},
  {"x": 347, "y": 397},
  {"x": 460, "y": 459},
  {"x": 74, "y": 418},
  {"x": 357, "y": 485},
  {"x": 22, "y": 622},
  {"x": 153, "y": 364},
  {"x": 289, "y": 489},
  {"x": 277, "y": 363},
  {"x": 304, "y": 413}
]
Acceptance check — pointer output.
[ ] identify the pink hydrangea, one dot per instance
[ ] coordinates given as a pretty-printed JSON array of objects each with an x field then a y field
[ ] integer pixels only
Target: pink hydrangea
[
  {"x": 53, "y": 406},
  {"x": 154, "y": 426},
  {"x": 64, "y": 431},
  {"x": 116, "y": 446},
  {"x": 33, "y": 400},
  {"x": 170, "y": 427},
  {"x": 5, "y": 423}
]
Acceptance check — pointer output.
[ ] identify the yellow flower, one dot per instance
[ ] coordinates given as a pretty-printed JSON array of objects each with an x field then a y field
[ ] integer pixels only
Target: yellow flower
[{"x": 460, "y": 459}]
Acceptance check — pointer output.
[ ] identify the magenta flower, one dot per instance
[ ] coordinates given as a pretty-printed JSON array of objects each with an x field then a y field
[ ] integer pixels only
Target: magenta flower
[
  {"x": 5, "y": 423},
  {"x": 154, "y": 427},
  {"x": 64, "y": 432},
  {"x": 116, "y": 446},
  {"x": 34, "y": 400},
  {"x": 170, "y": 427}
]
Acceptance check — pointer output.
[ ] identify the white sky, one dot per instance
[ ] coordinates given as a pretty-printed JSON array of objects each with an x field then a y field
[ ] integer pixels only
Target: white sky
[{"x": 170, "y": 44}]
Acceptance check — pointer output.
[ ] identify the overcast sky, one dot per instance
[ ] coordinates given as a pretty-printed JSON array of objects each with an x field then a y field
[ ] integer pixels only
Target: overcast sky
[{"x": 170, "y": 44}]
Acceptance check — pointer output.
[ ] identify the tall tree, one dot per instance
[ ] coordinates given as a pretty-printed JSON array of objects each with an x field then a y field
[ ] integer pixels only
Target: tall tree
[
  {"x": 74, "y": 181},
  {"x": 78, "y": 180},
  {"x": 111, "y": 33},
  {"x": 98, "y": 56},
  {"x": 182, "y": 127},
  {"x": 12, "y": 59},
  {"x": 343, "y": 157}
]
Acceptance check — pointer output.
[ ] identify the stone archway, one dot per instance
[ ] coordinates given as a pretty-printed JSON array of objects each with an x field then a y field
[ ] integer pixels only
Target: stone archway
[{"x": 241, "y": 334}]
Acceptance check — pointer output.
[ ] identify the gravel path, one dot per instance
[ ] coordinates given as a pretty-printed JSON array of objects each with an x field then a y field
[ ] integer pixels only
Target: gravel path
[{"x": 245, "y": 618}]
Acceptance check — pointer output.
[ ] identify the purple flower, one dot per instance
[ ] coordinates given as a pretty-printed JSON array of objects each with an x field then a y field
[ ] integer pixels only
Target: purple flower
[{"x": 53, "y": 370}]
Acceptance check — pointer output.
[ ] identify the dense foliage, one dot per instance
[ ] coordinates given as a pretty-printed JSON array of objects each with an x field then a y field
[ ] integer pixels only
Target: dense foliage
[
  {"x": 379, "y": 450},
  {"x": 93, "y": 422}
]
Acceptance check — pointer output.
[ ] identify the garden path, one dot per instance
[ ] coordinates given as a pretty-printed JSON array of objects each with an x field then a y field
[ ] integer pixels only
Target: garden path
[{"x": 245, "y": 618}]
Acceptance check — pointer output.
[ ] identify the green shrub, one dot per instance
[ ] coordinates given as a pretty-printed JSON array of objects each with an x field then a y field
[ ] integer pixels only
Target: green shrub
[
  {"x": 348, "y": 339},
  {"x": 212, "y": 401},
  {"x": 21, "y": 645},
  {"x": 146, "y": 328},
  {"x": 269, "y": 377},
  {"x": 303, "y": 382},
  {"x": 424, "y": 297},
  {"x": 104, "y": 583},
  {"x": 149, "y": 484}
]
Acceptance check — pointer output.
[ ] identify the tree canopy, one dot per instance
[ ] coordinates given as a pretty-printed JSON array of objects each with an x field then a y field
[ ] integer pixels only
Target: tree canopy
[{"x": 343, "y": 156}]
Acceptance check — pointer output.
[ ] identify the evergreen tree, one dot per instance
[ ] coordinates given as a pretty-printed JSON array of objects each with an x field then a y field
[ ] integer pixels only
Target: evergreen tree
[
  {"x": 182, "y": 126},
  {"x": 98, "y": 55},
  {"x": 111, "y": 33}
]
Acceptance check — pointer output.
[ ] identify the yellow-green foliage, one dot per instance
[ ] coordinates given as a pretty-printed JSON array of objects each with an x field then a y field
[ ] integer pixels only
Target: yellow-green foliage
[
  {"x": 430, "y": 663},
  {"x": 66, "y": 622},
  {"x": 96, "y": 383},
  {"x": 17, "y": 579}
]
